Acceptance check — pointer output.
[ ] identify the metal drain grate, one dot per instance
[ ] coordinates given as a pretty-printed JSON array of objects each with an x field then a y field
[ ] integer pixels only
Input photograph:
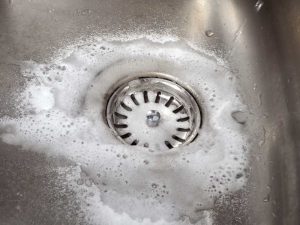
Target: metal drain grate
[{"x": 153, "y": 112}]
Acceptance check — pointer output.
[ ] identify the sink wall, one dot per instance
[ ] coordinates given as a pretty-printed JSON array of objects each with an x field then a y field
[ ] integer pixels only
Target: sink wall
[{"x": 262, "y": 48}]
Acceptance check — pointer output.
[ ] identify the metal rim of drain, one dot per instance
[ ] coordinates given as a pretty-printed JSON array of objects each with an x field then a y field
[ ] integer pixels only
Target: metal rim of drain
[{"x": 153, "y": 112}]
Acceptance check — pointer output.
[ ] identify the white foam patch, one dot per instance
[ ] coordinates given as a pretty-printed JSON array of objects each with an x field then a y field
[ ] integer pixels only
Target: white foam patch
[{"x": 62, "y": 109}]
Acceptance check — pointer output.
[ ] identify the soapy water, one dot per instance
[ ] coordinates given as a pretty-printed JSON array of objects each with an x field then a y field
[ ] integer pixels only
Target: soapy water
[{"x": 61, "y": 114}]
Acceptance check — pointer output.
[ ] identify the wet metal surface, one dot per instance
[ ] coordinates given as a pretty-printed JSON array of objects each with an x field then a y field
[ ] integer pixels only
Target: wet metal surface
[{"x": 259, "y": 39}]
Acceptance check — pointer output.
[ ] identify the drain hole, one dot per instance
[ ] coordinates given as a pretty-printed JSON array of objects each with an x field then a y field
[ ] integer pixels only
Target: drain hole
[
  {"x": 135, "y": 142},
  {"x": 144, "y": 112},
  {"x": 183, "y": 129},
  {"x": 146, "y": 99},
  {"x": 183, "y": 119},
  {"x": 178, "y": 138},
  {"x": 124, "y": 136},
  {"x": 178, "y": 109},
  {"x": 121, "y": 116},
  {"x": 121, "y": 125},
  {"x": 169, "y": 102},
  {"x": 157, "y": 99},
  {"x": 126, "y": 107},
  {"x": 134, "y": 99}
]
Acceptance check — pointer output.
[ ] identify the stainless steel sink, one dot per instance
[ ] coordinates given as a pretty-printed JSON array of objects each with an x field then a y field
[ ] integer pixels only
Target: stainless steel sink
[{"x": 259, "y": 40}]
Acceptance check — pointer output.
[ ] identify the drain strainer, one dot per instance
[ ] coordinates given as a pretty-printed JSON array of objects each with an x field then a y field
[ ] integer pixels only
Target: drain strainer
[{"x": 153, "y": 112}]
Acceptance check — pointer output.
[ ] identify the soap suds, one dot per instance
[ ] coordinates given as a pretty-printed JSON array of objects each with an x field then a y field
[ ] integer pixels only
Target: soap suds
[{"x": 61, "y": 112}]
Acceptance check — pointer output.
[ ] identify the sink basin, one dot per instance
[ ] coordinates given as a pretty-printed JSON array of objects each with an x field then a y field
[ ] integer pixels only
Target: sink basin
[{"x": 230, "y": 65}]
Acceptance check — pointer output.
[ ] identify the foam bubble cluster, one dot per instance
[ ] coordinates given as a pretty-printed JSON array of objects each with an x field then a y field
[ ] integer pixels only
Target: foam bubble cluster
[{"x": 62, "y": 115}]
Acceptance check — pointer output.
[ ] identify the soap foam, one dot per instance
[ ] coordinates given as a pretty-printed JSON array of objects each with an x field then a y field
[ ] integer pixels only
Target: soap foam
[{"x": 133, "y": 185}]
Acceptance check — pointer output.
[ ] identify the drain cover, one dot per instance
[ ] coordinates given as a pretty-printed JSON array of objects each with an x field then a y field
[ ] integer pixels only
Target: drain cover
[{"x": 153, "y": 112}]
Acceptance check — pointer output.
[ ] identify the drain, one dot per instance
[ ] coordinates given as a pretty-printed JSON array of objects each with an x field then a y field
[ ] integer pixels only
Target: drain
[{"x": 153, "y": 112}]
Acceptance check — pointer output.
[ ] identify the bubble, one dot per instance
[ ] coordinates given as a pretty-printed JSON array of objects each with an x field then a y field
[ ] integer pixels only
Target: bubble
[
  {"x": 240, "y": 117},
  {"x": 258, "y": 5},
  {"x": 239, "y": 175},
  {"x": 209, "y": 33},
  {"x": 80, "y": 181},
  {"x": 146, "y": 145},
  {"x": 154, "y": 185},
  {"x": 88, "y": 182},
  {"x": 266, "y": 198}
]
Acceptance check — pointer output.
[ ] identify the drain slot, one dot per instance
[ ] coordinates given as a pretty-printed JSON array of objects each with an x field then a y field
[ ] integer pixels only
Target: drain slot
[
  {"x": 178, "y": 109},
  {"x": 183, "y": 129},
  {"x": 135, "y": 142},
  {"x": 169, "y": 102},
  {"x": 120, "y": 116},
  {"x": 127, "y": 135},
  {"x": 183, "y": 119},
  {"x": 146, "y": 99},
  {"x": 168, "y": 145},
  {"x": 126, "y": 107},
  {"x": 157, "y": 99},
  {"x": 178, "y": 138},
  {"x": 134, "y": 99},
  {"x": 159, "y": 113},
  {"x": 121, "y": 125}
]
